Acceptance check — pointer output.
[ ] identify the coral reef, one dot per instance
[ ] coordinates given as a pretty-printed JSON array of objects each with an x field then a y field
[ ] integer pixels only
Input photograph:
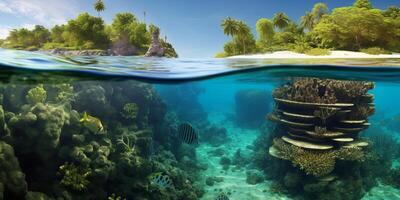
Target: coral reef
[
  {"x": 58, "y": 157},
  {"x": 74, "y": 177},
  {"x": 314, "y": 148},
  {"x": 12, "y": 180},
  {"x": 321, "y": 119}
]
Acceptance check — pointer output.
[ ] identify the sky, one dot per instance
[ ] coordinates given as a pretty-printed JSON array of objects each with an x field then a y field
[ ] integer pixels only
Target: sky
[{"x": 192, "y": 26}]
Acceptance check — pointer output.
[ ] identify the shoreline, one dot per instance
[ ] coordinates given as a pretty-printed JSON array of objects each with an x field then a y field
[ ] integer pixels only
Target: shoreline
[{"x": 333, "y": 55}]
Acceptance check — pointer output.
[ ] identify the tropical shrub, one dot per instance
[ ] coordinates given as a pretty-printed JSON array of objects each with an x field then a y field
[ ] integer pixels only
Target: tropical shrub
[
  {"x": 318, "y": 52},
  {"x": 375, "y": 51}
]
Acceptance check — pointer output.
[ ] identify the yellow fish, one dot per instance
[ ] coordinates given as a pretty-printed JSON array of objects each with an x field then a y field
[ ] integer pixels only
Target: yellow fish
[{"x": 92, "y": 123}]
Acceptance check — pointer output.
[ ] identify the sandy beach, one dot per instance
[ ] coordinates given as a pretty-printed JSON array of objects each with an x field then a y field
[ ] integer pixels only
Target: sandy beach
[{"x": 333, "y": 55}]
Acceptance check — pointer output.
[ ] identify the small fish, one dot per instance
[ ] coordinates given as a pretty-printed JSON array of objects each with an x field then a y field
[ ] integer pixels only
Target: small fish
[
  {"x": 222, "y": 196},
  {"x": 187, "y": 134},
  {"x": 161, "y": 180},
  {"x": 92, "y": 123}
]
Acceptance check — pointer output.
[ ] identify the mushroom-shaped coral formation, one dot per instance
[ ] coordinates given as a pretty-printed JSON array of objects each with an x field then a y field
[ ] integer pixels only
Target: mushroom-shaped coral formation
[{"x": 321, "y": 119}]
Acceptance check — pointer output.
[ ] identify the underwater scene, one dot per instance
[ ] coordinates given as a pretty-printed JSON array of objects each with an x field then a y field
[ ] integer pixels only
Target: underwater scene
[{"x": 210, "y": 130}]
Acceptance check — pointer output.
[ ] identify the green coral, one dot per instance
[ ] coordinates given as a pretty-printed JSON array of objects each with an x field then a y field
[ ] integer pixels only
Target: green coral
[
  {"x": 65, "y": 92},
  {"x": 42, "y": 126},
  {"x": 74, "y": 177},
  {"x": 115, "y": 197},
  {"x": 12, "y": 179},
  {"x": 36, "y": 95},
  {"x": 130, "y": 111}
]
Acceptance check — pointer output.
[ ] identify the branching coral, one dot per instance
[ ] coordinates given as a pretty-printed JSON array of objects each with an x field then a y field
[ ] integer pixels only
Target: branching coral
[
  {"x": 36, "y": 95},
  {"x": 74, "y": 177},
  {"x": 127, "y": 143},
  {"x": 130, "y": 111},
  {"x": 316, "y": 163}
]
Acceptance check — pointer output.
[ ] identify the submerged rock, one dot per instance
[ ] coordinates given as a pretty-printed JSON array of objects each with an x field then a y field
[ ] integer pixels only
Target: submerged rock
[
  {"x": 254, "y": 177},
  {"x": 210, "y": 181}
]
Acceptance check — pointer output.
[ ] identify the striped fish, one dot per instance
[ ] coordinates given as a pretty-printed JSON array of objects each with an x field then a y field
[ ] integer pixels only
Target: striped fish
[
  {"x": 222, "y": 196},
  {"x": 187, "y": 134},
  {"x": 161, "y": 180}
]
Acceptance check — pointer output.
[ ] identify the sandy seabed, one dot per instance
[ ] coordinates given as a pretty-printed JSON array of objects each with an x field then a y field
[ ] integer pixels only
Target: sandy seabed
[{"x": 234, "y": 181}]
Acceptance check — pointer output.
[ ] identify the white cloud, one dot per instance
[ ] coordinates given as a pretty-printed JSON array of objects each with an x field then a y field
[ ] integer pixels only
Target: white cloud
[
  {"x": 45, "y": 12},
  {"x": 4, "y": 8},
  {"x": 4, "y": 30}
]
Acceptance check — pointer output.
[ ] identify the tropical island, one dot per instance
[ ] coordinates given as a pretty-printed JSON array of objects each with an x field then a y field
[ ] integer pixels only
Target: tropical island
[
  {"x": 90, "y": 35},
  {"x": 359, "y": 28}
]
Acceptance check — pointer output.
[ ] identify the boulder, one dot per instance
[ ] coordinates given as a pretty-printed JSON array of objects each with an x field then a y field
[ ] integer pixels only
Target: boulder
[{"x": 123, "y": 47}]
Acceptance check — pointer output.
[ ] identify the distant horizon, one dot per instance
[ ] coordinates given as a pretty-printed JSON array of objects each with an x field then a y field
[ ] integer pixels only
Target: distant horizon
[{"x": 192, "y": 27}]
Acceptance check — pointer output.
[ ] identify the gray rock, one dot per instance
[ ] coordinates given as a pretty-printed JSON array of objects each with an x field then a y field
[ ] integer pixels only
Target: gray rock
[
  {"x": 123, "y": 47},
  {"x": 156, "y": 49}
]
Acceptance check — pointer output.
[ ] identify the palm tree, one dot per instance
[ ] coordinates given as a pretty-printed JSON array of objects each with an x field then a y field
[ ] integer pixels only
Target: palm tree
[
  {"x": 243, "y": 32},
  {"x": 281, "y": 20},
  {"x": 307, "y": 21},
  {"x": 319, "y": 10},
  {"x": 99, "y": 6},
  {"x": 230, "y": 26}
]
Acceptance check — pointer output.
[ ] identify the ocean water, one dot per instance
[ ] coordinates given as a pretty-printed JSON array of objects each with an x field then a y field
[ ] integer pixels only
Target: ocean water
[{"x": 105, "y": 127}]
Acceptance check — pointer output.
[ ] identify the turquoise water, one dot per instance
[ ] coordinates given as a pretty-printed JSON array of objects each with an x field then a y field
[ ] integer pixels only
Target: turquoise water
[{"x": 48, "y": 150}]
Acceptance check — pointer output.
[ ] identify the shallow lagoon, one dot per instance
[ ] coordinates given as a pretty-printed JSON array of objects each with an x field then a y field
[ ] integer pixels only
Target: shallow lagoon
[{"x": 48, "y": 153}]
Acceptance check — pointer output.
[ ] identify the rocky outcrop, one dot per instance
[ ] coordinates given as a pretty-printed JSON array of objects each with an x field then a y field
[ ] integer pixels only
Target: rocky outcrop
[
  {"x": 123, "y": 47},
  {"x": 156, "y": 49}
]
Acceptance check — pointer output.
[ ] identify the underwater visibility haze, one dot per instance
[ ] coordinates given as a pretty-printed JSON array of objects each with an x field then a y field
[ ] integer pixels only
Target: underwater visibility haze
[{"x": 158, "y": 129}]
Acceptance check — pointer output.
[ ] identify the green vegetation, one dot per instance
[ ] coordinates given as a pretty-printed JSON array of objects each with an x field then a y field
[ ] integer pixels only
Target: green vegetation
[
  {"x": 99, "y": 6},
  {"x": 87, "y": 32},
  {"x": 74, "y": 177},
  {"x": 358, "y": 27},
  {"x": 375, "y": 51},
  {"x": 243, "y": 41},
  {"x": 318, "y": 52}
]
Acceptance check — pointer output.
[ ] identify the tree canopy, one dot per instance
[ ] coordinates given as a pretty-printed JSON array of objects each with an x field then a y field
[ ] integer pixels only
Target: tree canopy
[
  {"x": 281, "y": 20},
  {"x": 356, "y": 27},
  {"x": 86, "y": 32},
  {"x": 363, "y": 4}
]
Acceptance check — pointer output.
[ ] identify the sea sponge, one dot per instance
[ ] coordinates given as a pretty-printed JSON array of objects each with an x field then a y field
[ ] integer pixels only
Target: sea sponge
[
  {"x": 36, "y": 95},
  {"x": 74, "y": 177}
]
